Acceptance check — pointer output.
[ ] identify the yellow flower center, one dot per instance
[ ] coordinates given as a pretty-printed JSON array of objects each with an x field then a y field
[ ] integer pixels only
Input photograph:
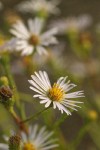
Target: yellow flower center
[
  {"x": 29, "y": 146},
  {"x": 56, "y": 93},
  {"x": 34, "y": 40}
]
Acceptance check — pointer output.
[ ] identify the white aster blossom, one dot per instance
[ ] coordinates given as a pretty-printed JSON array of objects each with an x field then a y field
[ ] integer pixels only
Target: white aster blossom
[
  {"x": 32, "y": 38},
  {"x": 58, "y": 94},
  {"x": 37, "y": 139},
  {"x": 72, "y": 24},
  {"x": 39, "y": 6}
]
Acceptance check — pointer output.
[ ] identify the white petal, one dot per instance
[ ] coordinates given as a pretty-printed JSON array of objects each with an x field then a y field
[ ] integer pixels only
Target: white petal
[
  {"x": 34, "y": 89},
  {"x": 40, "y": 88},
  {"x": 27, "y": 51},
  {"x": 43, "y": 101},
  {"x": 34, "y": 132},
  {"x": 50, "y": 146},
  {"x": 48, "y": 104},
  {"x": 51, "y": 32},
  {"x": 24, "y": 136},
  {"x": 67, "y": 105},
  {"x": 62, "y": 108},
  {"x": 21, "y": 28},
  {"x": 41, "y": 50},
  {"x": 60, "y": 80},
  {"x": 75, "y": 94},
  {"x": 3, "y": 146},
  {"x": 69, "y": 87},
  {"x": 40, "y": 80},
  {"x": 73, "y": 101}
]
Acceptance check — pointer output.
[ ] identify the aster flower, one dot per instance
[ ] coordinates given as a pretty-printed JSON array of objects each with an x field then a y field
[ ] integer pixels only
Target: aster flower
[
  {"x": 38, "y": 139},
  {"x": 39, "y": 6},
  {"x": 32, "y": 39},
  {"x": 57, "y": 94},
  {"x": 72, "y": 24}
]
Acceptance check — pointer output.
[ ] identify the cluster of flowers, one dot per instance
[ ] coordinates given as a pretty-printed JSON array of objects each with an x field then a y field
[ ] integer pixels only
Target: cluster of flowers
[{"x": 33, "y": 39}]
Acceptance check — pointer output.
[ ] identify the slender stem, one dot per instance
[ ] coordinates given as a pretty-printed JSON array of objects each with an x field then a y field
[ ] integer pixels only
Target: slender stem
[
  {"x": 7, "y": 69},
  {"x": 17, "y": 119},
  {"x": 35, "y": 116},
  {"x": 23, "y": 114}
]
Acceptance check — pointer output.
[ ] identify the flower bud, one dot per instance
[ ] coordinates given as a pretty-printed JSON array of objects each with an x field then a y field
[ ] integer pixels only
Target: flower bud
[
  {"x": 4, "y": 81},
  {"x": 14, "y": 142},
  {"x": 5, "y": 92},
  {"x": 6, "y": 97}
]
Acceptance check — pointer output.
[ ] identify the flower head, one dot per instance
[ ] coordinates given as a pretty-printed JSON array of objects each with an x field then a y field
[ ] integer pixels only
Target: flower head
[
  {"x": 32, "y": 39},
  {"x": 39, "y": 7},
  {"x": 37, "y": 139},
  {"x": 57, "y": 94},
  {"x": 72, "y": 24}
]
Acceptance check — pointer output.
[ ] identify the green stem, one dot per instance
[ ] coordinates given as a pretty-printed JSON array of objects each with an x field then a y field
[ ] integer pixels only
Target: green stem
[
  {"x": 7, "y": 69},
  {"x": 23, "y": 114},
  {"x": 35, "y": 116},
  {"x": 18, "y": 121}
]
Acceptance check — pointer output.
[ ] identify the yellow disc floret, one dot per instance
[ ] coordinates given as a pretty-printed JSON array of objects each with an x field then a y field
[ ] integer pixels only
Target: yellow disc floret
[
  {"x": 29, "y": 146},
  {"x": 56, "y": 93},
  {"x": 34, "y": 40}
]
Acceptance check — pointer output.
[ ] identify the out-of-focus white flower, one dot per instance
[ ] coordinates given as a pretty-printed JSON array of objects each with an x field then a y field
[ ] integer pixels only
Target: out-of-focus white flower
[
  {"x": 37, "y": 139},
  {"x": 72, "y": 24},
  {"x": 39, "y": 6},
  {"x": 32, "y": 39},
  {"x": 57, "y": 95}
]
